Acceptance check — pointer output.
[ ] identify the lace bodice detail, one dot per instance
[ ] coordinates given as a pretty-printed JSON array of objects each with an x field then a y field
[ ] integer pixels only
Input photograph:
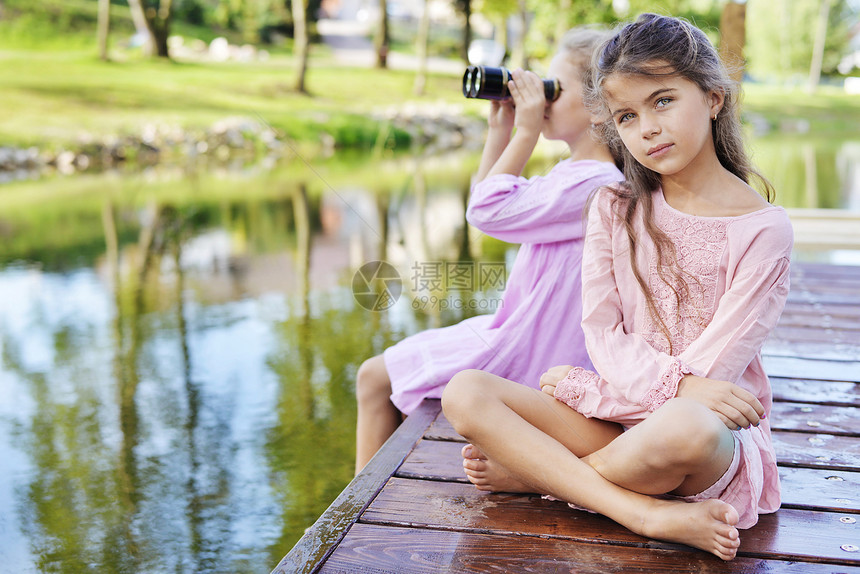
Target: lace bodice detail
[{"x": 699, "y": 246}]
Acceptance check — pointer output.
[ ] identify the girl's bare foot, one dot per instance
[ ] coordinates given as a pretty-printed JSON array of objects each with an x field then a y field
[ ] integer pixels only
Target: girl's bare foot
[
  {"x": 487, "y": 475},
  {"x": 708, "y": 525}
]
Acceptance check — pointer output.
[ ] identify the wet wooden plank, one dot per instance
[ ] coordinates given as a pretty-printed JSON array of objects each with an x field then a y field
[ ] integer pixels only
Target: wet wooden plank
[
  {"x": 844, "y": 294},
  {"x": 798, "y": 335},
  {"x": 793, "y": 367},
  {"x": 836, "y": 393},
  {"x": 823, "y": 269},
  {"x": 394, "y": 550},
  {"x": 321, "y": 538},
  {"x": 802, "y": 487},
  {"x": 802, "y": 275},
  {"x": 812, "y": 350},
  {"x": 845, "y": 319},
  {"x": 787, "y": 535},
  {"x": 817, "y": 450},
  {"x": 807, "y": 417},
  {"x": 823, "y": 297},
  {"x": 807, "y": 488}
]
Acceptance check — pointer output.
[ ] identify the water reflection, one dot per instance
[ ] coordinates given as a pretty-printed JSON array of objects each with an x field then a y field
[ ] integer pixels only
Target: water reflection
[
  {"x": 177, "y": 354},
  {"x": 811, "y": 173},
  {"x": 178, "y": 373}
]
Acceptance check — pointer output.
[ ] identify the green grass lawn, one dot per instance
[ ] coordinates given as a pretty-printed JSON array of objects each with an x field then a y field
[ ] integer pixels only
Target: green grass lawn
[
  {"x": 56, "y": 92},
  {"x": 59, "y": 96},
  {"x": 53, "y": 98}
]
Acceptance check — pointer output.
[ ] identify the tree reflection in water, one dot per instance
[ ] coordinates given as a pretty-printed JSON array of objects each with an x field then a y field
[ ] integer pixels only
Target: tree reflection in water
[{"x": 180, "y": 373}]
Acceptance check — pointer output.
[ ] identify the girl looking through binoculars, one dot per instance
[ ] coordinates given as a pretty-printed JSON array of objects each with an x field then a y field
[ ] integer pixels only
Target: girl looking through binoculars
[{"x": 538, "y": 321}]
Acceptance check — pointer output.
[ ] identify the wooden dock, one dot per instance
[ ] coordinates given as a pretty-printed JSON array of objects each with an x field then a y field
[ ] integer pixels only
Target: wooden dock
[{"x": 412, "y": 511}]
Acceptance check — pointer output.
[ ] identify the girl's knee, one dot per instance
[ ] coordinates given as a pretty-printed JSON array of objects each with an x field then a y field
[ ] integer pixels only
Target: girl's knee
[
  {"x": 372, "y": 379},
  {"x": 463, "y": 396},
  {"x": 686, "y": 431},
  {"x": 461, "y": 389}
]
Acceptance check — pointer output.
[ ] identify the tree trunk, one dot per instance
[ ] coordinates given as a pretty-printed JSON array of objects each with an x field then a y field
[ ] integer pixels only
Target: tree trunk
[
  {"x": 104, "y": 28},
  {"x": 733, "y": 38},
  {"x": 158, "y": 23},
  {"x": 141, "y": 26},
  {"x": 422, "y": 41},
  {"x": 818, "y": 47},
  {"x": 300, "y": 45},
  {"x": 382, "y": 38},
  {"x": 467, "y": 29}
]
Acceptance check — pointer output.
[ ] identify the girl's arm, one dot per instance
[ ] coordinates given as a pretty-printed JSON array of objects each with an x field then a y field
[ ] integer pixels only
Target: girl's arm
[
  {"x": 542, "y": 209},
  {"x": 529, "y": 104},
  {"x": 642, "y": 378},
  {"x": 500, "y": 124}
]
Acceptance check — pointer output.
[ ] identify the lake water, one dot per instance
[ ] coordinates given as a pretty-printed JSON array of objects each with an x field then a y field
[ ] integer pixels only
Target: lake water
[{"x": 178, "y": 347}]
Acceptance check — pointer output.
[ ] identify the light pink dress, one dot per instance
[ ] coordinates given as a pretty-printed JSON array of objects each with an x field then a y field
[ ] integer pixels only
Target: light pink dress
[
  {"x": 537, "y": 324},
  {"x": 741, "y": 264}
]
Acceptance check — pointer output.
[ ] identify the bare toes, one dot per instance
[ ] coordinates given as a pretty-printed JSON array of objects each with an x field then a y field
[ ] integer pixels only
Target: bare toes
[
  {"x": 725, "y": 512},
  {"x": 470, "y": 451},
  {"x": 474, "y": 464}
]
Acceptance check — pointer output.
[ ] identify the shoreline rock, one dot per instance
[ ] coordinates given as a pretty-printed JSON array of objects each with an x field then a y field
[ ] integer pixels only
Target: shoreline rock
[{"x": 430, "y": 128}]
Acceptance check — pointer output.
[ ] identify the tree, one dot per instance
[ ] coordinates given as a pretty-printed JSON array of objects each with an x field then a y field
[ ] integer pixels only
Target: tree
[
  {"x": 781, "y": 37},
  {"x": 733, "y": 38},
  {"x": 818, "y": 47},
  {"x": 155, "y": 14},
  {"x": 301, "y": 44},
  {"x": 103, "y": 28},
  {"x": 465, "y": 8},
  {"x": 382, "y": 38},
  {"x": 498, "y": 12},
  {"x": 551, "y": 20},
  {"x": 141, "y": 26},
  {"x": 421, "y": 41}
]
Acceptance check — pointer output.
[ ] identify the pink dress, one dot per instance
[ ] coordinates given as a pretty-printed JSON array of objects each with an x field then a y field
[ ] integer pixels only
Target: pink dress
[
  {"x": 741, "y": 264},
  {"x": 537, "y": 324}
]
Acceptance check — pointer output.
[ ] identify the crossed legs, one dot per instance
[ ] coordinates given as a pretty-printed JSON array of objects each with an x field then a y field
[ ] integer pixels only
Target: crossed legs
[{"x": 526, "y": 440}]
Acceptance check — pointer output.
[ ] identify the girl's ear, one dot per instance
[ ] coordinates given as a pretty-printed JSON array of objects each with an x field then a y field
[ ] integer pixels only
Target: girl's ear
[{"x": 716, "y": 99}]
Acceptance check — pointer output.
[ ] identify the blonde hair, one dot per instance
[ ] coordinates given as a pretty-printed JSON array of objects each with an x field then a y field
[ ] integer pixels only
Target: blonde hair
[{"x": 578, "y": 46}]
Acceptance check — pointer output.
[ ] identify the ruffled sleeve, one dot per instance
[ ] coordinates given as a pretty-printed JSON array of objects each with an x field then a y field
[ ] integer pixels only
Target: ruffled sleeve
[{"x": 542, "y": 209}]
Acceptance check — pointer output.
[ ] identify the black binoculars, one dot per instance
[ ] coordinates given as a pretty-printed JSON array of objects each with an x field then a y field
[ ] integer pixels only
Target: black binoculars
[{"x": 486, "y": 83}]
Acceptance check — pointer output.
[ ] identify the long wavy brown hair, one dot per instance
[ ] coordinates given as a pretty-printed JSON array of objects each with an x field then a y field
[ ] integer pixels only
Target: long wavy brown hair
[{"x": 658, "y": 46}]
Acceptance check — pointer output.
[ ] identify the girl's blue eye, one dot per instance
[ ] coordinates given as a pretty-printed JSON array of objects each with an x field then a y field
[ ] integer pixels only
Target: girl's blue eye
[
  {"x": 663, "y": 101},
  {"x": 625, "y": 117}
]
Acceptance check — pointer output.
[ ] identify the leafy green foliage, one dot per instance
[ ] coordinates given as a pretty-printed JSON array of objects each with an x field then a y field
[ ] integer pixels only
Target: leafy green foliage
[{"x": 781, "y": 34}]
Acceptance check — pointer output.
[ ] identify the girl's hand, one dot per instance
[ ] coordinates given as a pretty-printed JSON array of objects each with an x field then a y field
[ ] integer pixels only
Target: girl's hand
[
  {"x": 501, "y": 116},
  {"x": 736, "y": 407},
  {"x": 550, "y": 379},
  {"x": 527, "y": 91}
]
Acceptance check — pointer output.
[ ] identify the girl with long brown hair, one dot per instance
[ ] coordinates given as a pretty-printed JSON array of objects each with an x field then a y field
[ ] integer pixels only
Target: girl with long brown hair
[{"x": 685, "y": 273}]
